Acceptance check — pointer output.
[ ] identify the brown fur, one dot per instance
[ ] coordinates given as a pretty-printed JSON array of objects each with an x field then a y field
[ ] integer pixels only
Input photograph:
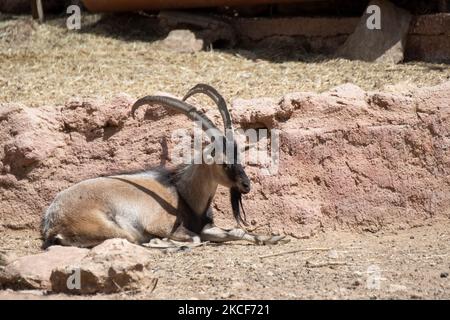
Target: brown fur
[{"x": 87, "y": 213}]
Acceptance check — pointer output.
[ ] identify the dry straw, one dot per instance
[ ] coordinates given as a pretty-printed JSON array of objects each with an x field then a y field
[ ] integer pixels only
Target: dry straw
[{"x": 48, "y": 64}]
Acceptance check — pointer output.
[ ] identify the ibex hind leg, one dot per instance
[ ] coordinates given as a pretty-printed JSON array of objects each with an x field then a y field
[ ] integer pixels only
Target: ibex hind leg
[{"x": 89, "y": 230}]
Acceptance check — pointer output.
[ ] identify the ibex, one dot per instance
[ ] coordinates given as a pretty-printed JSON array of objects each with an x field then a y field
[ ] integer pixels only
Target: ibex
[{"x": 173, "y": 204}]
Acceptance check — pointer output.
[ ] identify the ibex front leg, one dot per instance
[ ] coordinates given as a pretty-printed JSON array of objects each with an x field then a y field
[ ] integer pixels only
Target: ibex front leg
[{"x": 216, "y": 234}]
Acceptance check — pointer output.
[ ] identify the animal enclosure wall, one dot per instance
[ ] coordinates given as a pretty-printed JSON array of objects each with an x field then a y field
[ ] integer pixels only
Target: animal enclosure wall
[{"x": 349, "y": 159}]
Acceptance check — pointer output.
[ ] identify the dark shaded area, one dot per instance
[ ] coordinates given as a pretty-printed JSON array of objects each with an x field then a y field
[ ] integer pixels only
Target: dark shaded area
[
  {"x": 148, "y": 28},
  {"x": 126, "y": 27},
  {"x": 322, "y": 8},
  {"x": 24, "y": 6}
]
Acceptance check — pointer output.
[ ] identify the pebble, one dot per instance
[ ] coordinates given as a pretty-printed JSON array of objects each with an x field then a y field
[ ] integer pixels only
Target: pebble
[{"x": 333, "y": 254}]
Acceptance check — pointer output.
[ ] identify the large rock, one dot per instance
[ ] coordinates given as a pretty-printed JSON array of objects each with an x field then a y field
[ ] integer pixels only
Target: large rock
[
  {"x": 33, "y": 272},
  {"x": 113, "y": 266},
  {"x": 386, "y": 44},
  {"x": 349, "y": 159}
]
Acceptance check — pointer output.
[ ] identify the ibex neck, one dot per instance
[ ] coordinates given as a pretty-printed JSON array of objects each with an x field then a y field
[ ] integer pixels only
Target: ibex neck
[{"x": 197, "y": 186}]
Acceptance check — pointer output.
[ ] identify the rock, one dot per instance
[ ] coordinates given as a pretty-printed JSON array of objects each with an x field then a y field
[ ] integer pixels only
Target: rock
[
  {"x": 386, "y": 44},
  {"x": 32, "y": 139},
  {"x": 113, "y": 266},
  {"x": 348, "y": 91},
  {"x": 3, "y": 260},
  {"x": 212, "y": 31},
  {"x": 265, "y": 111},
  {"x": 183, "y": 41},
  {"x": 33, "y": 272},
  {"x": 444, "y": 275},
  {"x": 333, "y": 254}
]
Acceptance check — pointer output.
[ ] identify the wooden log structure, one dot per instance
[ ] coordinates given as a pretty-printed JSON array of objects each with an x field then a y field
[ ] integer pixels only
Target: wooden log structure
[{"x": 135, "y": 5}]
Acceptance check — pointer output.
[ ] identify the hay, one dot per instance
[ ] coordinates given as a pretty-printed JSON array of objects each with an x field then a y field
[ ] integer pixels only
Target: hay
[{"x": 48, "y": 64}]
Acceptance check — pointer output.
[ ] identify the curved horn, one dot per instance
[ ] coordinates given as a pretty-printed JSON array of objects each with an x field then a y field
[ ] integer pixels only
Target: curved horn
[
  {"x": 190, "y": 111},
  {"x": 218, "y": 100}
]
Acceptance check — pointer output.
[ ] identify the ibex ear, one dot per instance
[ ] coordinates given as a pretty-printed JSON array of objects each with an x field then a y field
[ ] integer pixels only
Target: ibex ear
[
  {"x": 215, "y": 152},
  {"x": 209, "y": 153}
]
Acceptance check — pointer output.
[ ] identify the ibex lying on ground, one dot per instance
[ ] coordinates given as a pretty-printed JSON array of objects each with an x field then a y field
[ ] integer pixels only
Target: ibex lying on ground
[{"x": 158, "y": 203}]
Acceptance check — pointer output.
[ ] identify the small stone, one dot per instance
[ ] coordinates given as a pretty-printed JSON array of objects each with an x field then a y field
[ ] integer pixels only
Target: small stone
[
  {"x": 444, "y": 274},
  {"x": 183, "y": 41},
  {"x": 333, "y": 254},
  {"x": 226, "y": 295},
  {"x": 356, "y": 283}
]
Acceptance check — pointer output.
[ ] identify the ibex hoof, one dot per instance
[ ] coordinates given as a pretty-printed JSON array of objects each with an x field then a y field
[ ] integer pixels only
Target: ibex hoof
[{"x": 265, "y": 240}]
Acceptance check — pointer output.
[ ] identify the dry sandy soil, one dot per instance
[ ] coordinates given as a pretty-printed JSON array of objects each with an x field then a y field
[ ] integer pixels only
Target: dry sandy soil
[{"x": 408, "y": 264}]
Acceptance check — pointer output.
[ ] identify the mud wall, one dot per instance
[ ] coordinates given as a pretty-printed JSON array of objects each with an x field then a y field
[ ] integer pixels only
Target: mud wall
[{"x": 349, "y": 159}]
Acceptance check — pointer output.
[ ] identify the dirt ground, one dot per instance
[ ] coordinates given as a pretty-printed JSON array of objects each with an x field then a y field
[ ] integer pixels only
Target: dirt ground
[{"x": 408, "y": 264}]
